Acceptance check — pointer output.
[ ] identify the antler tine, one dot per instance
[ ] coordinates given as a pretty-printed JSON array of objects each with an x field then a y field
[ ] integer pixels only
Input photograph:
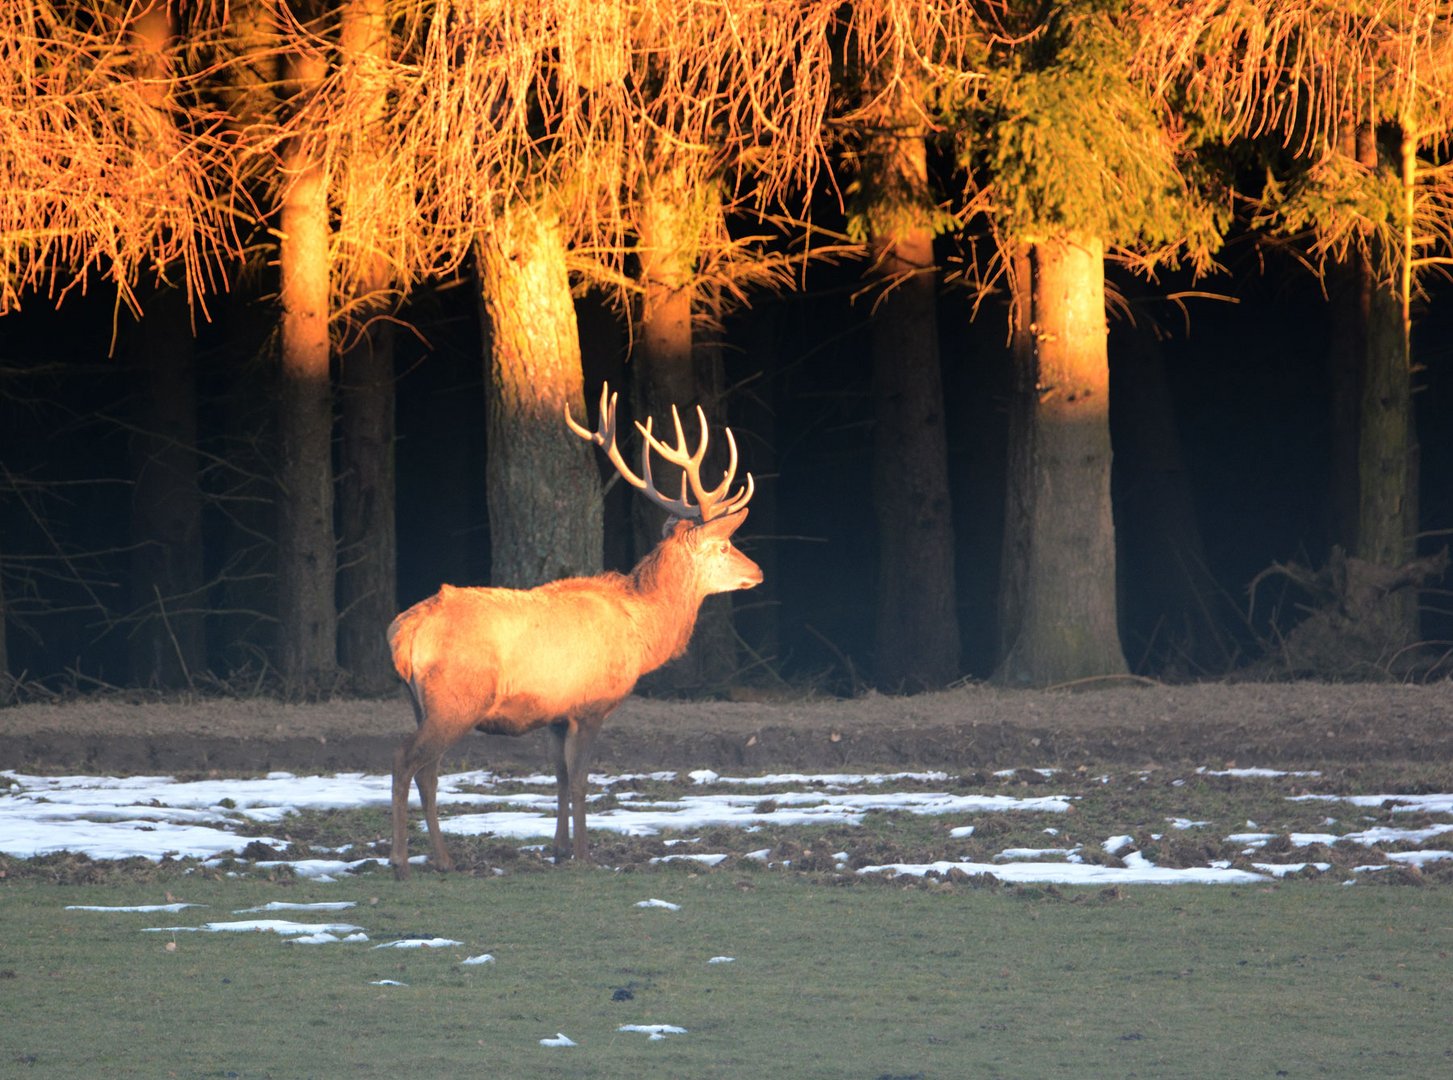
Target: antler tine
[
  {"x": 605, "y": 438},
  {"x": 709, "y": 504},
  {"x": 712, "y": 503}
]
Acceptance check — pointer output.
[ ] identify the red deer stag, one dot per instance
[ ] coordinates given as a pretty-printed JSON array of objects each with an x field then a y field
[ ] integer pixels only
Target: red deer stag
[{"x": 565, "y": 654}]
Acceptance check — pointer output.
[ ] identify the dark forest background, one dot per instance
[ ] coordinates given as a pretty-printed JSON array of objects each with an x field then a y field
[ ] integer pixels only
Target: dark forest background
[{"x": 1242, "y": 399}]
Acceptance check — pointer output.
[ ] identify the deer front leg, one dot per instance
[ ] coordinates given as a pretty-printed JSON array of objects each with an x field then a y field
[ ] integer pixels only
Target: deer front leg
[
  {"x": 558, "y": 743},
  {"x": 578, "y": 744}
]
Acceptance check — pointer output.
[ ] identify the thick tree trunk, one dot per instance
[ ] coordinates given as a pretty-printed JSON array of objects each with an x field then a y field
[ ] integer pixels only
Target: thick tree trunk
[
  {"x": 307, "y": 558},
  {"x": 367, "y": 571},
  {"x": 168, "y": 646},
  {"x": 916, "y": 632},
  {"x": 1068, "y": 629},
  {"x": 671, "y": 365},
  {"x": 544, "y": 487},
  {"x": 1380, "y": 383}
]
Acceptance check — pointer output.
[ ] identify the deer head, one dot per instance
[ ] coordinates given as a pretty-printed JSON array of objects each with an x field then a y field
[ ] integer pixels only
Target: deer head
[{"x": 703, "y": 527}]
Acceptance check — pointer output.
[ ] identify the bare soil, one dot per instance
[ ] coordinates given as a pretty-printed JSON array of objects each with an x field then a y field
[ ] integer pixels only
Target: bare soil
[{"x": 1285, "y": 725}]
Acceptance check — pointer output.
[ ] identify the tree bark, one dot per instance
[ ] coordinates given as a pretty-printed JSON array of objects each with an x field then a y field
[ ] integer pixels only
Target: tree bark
[
  {"x": 307, "y": 558},
  {"x": 916, "y": 632},
  {"x": 1068, "y": 629},
  {"x": 367, "y": 571},
  {"x": 544, "y": 487},
  {"x": 672, "y": 365},
  {"x": 168, "y": 646},
  {"x": 1387, "y": 516}
]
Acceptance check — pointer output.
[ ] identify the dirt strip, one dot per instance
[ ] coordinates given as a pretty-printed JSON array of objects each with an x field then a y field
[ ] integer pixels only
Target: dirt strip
[{"x": 1279, "y": 724}]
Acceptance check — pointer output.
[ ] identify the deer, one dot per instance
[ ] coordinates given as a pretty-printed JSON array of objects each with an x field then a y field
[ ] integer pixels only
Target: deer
[{"x": 565, "y": 654}]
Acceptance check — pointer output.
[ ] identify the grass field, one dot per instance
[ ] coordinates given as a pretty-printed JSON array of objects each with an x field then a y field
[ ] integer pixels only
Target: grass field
[{"x": 872, "y": 979}]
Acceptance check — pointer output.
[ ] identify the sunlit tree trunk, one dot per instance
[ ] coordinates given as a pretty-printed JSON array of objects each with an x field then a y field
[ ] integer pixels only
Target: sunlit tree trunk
[
  {"x": 168, "y": 646},
  {"x": 916, "y": 632},
  {"x": 673, "y": 365},
  {"x": 307, "y": 559},
  {"x": 367, "y": 577},
  {"x": 543, "y": 485},
  {"x": 1068, "y": 623}
]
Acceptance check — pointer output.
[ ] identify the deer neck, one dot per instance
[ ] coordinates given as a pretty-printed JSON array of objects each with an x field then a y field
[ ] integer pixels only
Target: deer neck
[{"x": 669, "y": 597}]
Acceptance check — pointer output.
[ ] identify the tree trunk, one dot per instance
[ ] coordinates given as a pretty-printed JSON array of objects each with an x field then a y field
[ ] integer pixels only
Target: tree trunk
[
  {"x": 1069, "y": 629},
  {"x": 367, "y": 585},
  {"x": 367, "y": 571},
  {"x": 169, "y": 643},
  {"x": 168, "y": 646},
  {"x": 544, "y": 487},
  {"x": 1019, "y": 454},
  {"x": 307, "y": 558},
  {"x": 916, "y": 632},
  {"x": 671, "y": 365},
  {"x": 1387, "y": 445}
]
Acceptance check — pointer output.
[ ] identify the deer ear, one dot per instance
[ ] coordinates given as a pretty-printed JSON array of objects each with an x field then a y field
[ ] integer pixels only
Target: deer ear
[{"x": 722, "y": 527}]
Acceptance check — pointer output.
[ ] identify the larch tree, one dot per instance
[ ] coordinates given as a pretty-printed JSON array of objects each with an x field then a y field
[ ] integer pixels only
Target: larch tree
[
  {"x": 168, "y": 643},
  {"x": 1358, "y": 97},
  {"x": 702, "y": 103},
  {"x": 515, "y": 156},
  {"x": 367, "y": 288},
  {"x": 111, "y": 171},
  {"x": 307, "y": 551},
  {"x": 1080, "y": 160},
  {"x": 907, "y": 59}
]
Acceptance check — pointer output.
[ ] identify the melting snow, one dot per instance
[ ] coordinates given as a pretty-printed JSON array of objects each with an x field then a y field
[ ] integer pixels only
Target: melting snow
[
  {"x": 419, "y": 943},
  {"x": 275, "y": 926}
]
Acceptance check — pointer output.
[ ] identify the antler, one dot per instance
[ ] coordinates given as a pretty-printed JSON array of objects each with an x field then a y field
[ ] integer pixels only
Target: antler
[{"x": 710, "y": 504}]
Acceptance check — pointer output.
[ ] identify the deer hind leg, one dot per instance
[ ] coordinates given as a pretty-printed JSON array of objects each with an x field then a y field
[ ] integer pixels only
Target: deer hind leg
[
  {"x": 427, "y": 779},
  {"x": 417, "y": 756}
]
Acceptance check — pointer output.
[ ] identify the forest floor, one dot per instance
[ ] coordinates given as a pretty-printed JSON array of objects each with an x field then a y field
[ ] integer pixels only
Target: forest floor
[{"x": 1281, "y": 725}]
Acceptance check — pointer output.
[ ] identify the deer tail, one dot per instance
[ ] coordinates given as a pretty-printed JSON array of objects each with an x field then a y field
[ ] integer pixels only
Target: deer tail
[{"x": 401, "y": 642}]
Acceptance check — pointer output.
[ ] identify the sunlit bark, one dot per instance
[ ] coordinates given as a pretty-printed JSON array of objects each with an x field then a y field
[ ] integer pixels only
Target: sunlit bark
[
  {"x": 544, "y": 490},
  {"x": 1068, "y": 629},
  {"x": 307, "y": 560}
]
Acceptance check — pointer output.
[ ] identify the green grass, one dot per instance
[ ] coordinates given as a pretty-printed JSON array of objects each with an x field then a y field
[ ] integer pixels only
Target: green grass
[{"x": 869, "y": 980}]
